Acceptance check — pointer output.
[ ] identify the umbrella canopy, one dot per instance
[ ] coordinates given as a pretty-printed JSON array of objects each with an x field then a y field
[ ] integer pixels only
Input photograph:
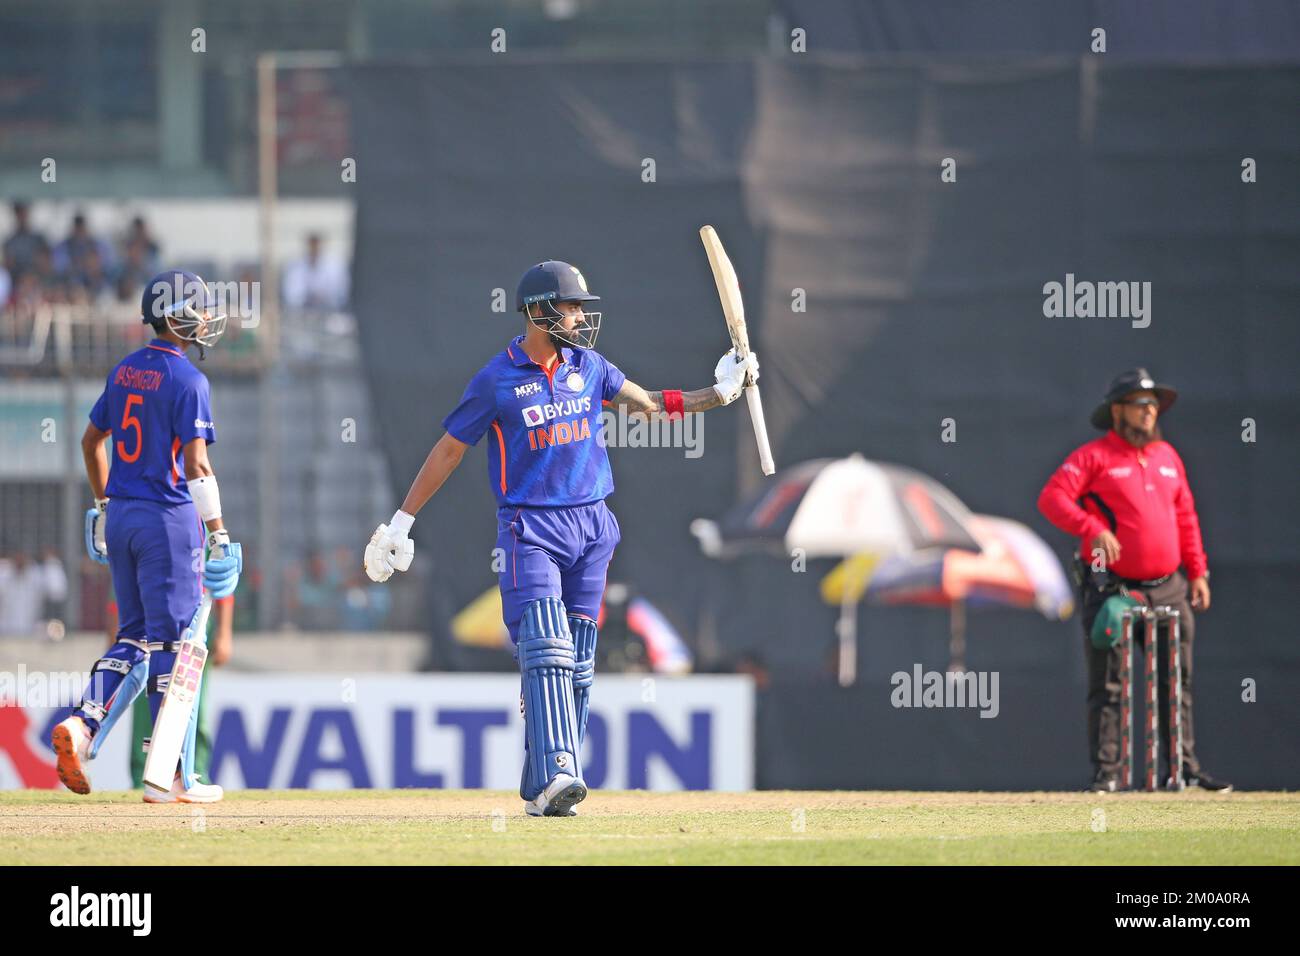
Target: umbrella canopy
[
  {"x": 842, "y": 506},
  {"x": 1051, "y": 593},
  {"x": 1014, "y": 568},
  {"x": 479, "y": 623}
]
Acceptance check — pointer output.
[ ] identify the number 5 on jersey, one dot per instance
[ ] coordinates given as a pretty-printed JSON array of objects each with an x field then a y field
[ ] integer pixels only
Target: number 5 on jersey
[{"x": 131, "y": 421}]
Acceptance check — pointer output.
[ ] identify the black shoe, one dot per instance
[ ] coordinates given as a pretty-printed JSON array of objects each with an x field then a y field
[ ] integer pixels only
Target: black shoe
[
  {"x": 1104, "y": 783},
  {"x": 1203, "y": 780}
]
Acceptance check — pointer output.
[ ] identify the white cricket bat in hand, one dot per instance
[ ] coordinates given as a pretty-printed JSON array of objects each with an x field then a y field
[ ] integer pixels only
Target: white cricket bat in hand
[
  {"x": 733, "y": 308},
  {"x": 178, "y": 701}
]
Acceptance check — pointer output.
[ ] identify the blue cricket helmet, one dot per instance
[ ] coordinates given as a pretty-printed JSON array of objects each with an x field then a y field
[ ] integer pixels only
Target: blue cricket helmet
[
  {"x": 553, "y": 281},
  {"x": 179, "y": 299}
]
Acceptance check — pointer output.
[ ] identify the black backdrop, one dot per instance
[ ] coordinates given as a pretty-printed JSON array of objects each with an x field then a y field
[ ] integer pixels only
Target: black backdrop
[
  {"x": 1237, "y": 30},
  {"x": 924, "y": 302}
]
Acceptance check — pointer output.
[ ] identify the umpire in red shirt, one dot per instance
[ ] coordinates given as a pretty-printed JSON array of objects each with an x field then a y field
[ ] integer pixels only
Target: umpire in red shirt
[{"x": 1125, "y": 497}]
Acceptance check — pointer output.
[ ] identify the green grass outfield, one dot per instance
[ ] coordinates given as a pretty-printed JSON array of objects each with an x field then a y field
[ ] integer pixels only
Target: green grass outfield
[{"x": 768, "y": 827}]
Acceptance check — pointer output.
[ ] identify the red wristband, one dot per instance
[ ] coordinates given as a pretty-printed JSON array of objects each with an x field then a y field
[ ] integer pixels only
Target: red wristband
[{"x": 673, "y": 404}]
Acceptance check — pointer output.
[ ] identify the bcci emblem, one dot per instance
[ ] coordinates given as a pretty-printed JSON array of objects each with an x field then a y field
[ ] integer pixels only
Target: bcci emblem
[
  {"x": 582, "y": 283},
  {"x": 574, "y": 381}
]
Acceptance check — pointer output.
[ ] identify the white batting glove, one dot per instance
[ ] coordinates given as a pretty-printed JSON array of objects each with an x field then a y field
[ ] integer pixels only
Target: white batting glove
[
  {"x": 390, "y": 549},
  {"x": 96, "y": 519},
  {"x": 731, "y": 374}
]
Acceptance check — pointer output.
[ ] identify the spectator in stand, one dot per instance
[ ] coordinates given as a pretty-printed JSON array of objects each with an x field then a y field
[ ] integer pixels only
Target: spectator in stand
[
  {"x": 56, "y": 583},
  {"x": 28, "y": 291},
  {"x": 69, "y": 253},
  {"x": 316, "y": 282},
  {"x": 136, "y": 269},
  {"x": 241, "y": 331},
  {"x": 52, "y": 285},
  {"x": 138, "y": 234},
  {"x": 314, "y": 598},
  {"x": 6, "y": 287},
  {"x": 365, "y": 604},
  {"x": 88, "y": 282},
  {"x": 25, "y": 586},
  {"x": 23, "y": 244}
]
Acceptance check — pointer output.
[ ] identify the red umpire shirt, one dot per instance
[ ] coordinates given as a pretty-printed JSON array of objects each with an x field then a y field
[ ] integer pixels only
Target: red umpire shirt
[{"x": 1140, "y": 494}]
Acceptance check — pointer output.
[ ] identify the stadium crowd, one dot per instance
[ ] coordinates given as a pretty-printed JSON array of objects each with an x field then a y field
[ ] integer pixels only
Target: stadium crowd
[{"x": 79, "y": 268}]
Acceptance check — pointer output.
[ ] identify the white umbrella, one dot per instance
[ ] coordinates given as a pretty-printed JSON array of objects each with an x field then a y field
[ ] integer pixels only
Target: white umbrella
[{"x": 839, "y": 507}]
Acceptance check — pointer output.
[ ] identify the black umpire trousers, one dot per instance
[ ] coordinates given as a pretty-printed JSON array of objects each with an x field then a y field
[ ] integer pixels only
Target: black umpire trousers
[{"x": 1103, "y": 675}]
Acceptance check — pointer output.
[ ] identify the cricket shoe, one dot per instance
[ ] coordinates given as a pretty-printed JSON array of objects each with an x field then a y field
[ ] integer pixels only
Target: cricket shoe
[
  {"x": 559, "y": 797},
  {"x": 71, "y": 742},
  {"x": 1199, "y": 778},
  {"x": 199, "y": 793},
  {"x": 573, "y": 811},
  {"x": 1104, "y": 782}
]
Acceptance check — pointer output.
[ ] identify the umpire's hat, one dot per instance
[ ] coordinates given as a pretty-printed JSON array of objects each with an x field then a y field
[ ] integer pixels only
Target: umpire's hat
[{"x": 1134, "y": 380}]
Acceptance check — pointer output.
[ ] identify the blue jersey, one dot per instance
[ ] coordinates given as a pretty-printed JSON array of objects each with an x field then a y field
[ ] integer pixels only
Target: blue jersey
[
  {"x": 546, "y": 449},
  {"x": 155, "y": 402}
]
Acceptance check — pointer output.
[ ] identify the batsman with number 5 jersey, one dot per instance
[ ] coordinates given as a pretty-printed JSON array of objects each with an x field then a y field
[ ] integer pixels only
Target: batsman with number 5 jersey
[
  {"x": 148, "y": 523},
  {"x": 538, "y": 402}
]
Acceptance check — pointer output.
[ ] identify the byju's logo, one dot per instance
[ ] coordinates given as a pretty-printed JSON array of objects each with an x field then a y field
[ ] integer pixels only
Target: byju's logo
[{"x": 536, "y": 414}]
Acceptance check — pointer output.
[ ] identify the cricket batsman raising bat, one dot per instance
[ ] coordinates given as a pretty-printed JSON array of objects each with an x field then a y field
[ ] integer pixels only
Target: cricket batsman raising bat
[
  {"x": 538, "y": 401},
  {"x": 733, "y": 310},
  {"x": 151, "y": 511}
]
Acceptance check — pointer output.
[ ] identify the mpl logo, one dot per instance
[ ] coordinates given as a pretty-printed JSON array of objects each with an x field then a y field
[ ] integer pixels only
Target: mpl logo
[
  {"x": 533, "y": 415},
  {"x": 528, "y": 388},
  {"x": 1168, "y": 472}
]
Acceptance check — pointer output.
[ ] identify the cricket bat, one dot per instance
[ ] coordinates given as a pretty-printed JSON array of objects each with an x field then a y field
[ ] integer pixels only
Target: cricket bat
[
  {"x": 733, "y": 308},
  {"x": 178, "y": 702}
]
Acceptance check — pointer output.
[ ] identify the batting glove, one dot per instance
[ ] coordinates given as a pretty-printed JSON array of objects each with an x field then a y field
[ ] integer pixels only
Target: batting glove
[
  {"x": 733, "y": 373},
  {"x": 224, "y": 565},
  {"x": 96, "y": 518},
  {"x": 390, "y": 548}
]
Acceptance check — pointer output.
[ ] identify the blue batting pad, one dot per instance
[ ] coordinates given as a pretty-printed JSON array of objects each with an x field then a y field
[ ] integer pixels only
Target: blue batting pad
[
  {"x": 583, "y": 630},
  {"x": 550, "y": 724},
  {"x": 123, "y": 697}
]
